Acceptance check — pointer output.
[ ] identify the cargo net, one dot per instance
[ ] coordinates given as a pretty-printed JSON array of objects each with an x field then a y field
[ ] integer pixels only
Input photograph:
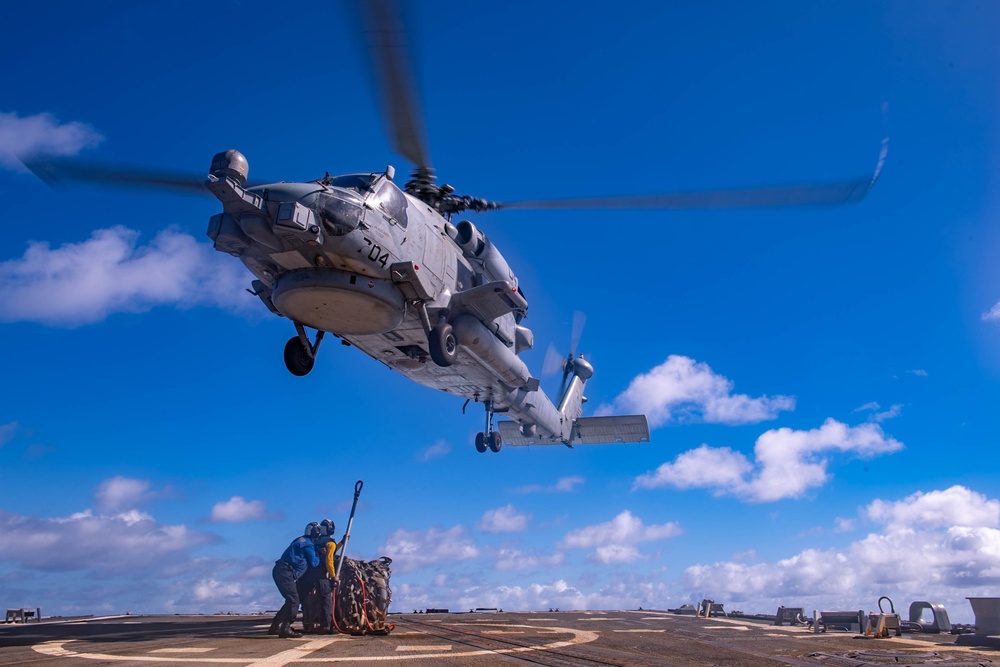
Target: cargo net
[{"x": 362, "y": 598}]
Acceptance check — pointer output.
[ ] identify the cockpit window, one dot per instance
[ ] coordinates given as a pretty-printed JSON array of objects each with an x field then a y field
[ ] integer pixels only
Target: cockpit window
[
  {"x": 392, "y": 203},
  {"x": 353, "y": 181},
  {"x": 340, "y": 215}
]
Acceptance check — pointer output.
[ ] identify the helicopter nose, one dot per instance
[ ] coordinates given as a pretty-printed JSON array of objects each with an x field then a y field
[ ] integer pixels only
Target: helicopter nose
[{"x": 231, "y": 163}]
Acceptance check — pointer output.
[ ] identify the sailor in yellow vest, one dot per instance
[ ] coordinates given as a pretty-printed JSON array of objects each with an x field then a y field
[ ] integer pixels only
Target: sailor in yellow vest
[{"x": 317, "y": 607}]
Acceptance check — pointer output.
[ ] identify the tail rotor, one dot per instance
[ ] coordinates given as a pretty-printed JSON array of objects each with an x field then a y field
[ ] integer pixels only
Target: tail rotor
[{"x": 554, "y": 361}]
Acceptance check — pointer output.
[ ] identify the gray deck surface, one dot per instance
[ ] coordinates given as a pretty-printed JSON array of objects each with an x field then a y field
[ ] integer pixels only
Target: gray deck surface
[{"x": 419, "y": 640}]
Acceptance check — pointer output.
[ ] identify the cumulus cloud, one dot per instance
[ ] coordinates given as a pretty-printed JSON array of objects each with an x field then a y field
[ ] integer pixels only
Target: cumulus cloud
[
  {"x": 238, "y": 509},
  {"x": 41, "y": 133},
  {"x": 936, "y": 545},
  {"x": 684, "y": 390},
  {"x": 83, "y": 283},
  {"x": 107, "y": 544},
  {"x": 993, "y": 314},
  {"x": 510, "y": 560},
  {"x": 213, "y": 584},
  {"x": 469, "y": 595},
  {"x": 625, "y": 590},
  {"x": 564, "y": 485},
  {"x": 119, "y": 493},
  {"x": 212, "y": 589},
  {"x": 414, "y": 549},
  {"x": 435, "y": 451},
  {"x": 787, "y": 462},
  {"x": 617, "y": 541},
  {"x": 503, "y": 520},
  {"x": 118, "y": 558},
  {"x": 843, "y": 524},
  {"x": 720, "y": 468},
  {"x": 955, "y": 506}
]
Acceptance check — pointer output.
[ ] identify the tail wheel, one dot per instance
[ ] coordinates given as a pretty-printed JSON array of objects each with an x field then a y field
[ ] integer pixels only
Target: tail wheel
[
  {"x": 481, "y": 442},
  {"x": 297, "y": 360},
  {"x": 494, "y": 441},
  {"x": 443, "y": 345}
]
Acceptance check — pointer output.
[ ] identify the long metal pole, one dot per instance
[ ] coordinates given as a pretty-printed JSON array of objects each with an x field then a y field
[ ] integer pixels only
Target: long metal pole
[{"x": 350, "y": 521}]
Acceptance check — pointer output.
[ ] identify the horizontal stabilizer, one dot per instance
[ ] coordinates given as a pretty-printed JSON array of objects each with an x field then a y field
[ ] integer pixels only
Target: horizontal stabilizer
[{"x": 586, "y": 431}]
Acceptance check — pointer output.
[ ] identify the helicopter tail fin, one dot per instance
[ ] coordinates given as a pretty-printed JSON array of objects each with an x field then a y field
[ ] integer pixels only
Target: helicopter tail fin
[{"x": 572, "y": 400}]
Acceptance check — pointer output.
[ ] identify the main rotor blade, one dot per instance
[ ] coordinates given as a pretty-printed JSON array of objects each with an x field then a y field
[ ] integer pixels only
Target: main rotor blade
[
  {"x": 773, "y": 197},
  {"x": 390, "y": 55},
  {"x": 57, "y": 170},
  {"x": 805, "y": 194}
]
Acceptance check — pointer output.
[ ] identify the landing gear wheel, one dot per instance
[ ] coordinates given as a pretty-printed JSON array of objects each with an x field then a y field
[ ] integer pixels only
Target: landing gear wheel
[
  {"x": 443, "y": 345},
  {"x": 494, "y": 441},
  {"x": 297, "y": 360},
  {"x": 481, "y": 442}
]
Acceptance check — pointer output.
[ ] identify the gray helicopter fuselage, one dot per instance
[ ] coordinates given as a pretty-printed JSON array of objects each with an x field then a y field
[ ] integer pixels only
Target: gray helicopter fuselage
[{"x": 358, "y": 257}]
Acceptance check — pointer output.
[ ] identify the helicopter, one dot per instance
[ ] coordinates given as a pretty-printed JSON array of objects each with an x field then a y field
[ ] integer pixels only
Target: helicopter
[{"x": 392, "y": 269}]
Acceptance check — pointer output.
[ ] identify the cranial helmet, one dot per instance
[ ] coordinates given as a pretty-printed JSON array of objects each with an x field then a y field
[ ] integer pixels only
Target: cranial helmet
[
  {"x": 312, "y": 530},
  {"x": 327, "y": 527}
]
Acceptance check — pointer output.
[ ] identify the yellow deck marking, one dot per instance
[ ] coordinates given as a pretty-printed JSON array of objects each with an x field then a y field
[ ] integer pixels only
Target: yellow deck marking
[
  {"x": 192, "y": 649},
  {"x": 300, "y": 651},
  {"x": 56, "y": 649},
  {"x": 651, "y": 630},
  {"x": 294, "y": 654}
]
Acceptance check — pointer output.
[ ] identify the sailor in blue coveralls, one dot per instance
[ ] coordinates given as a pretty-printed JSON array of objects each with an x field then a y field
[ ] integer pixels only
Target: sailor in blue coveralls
[{"x": 300, "y": 555}]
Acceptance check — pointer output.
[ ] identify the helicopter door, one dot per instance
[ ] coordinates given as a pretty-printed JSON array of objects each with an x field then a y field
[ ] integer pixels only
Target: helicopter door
[{"x": 434, "y": 254}]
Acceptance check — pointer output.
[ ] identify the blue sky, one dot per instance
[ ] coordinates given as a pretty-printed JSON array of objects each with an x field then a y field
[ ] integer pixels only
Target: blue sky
[{"x": 822, "y": 383}]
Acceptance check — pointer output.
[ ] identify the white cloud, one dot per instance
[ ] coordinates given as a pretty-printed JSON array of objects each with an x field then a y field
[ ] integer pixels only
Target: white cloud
[
  {"x": 568, "y": 484},
  {"x": 122, "y": 559},
  {"x": 617, "y": 541},
  {"x": 108, "y": 544},
  {"x": 82, "y": 283},
  {"x": 720, "y": 468},
  {"x": 920, "y": 372},
  {"x": 893, "y": 411},
  {"x": 843, "y": 525},
  {"x": 510, "y": 560},
  {"x": 119, "y": 493},
  {"x": 503, "y": 520},
  {"x": 625, "y": 590},
  {"x": 413, "y": 549},
  {"x": 880, "y": 416},
  {"x": 238, "y": 509},
  {"x": 993, "y": 314},
  {"x": 212, "y": 590},
  {"x": 936, "y": 545},
  {"x": 787, "y": 462},
  {"x": 955, "y": 506},
  {"x": 564, "y": 485},
  {"x": 683, "y": 390},
  {"x": 41, "y": 133},
  {"x": 435, "y": 451}
]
